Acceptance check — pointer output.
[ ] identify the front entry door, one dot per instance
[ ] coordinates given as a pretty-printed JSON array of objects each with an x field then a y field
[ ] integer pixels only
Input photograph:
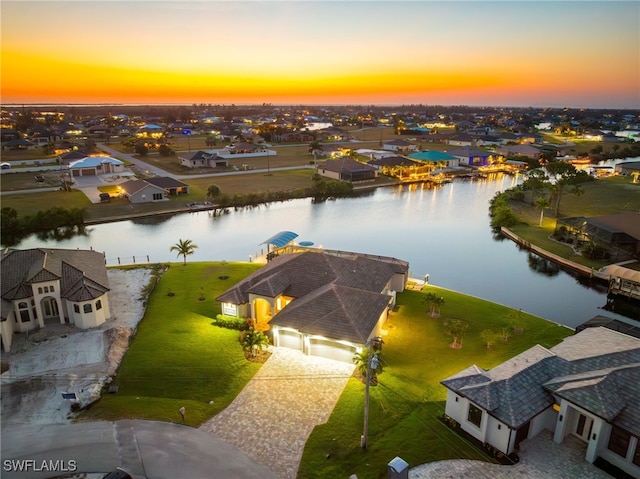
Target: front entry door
[{"x": 583, "y": 427}]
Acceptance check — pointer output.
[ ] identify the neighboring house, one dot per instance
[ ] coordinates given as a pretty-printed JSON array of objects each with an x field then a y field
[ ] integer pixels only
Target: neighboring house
[
  {"x": 152, "y": 189},
  {"x": 437, "y": 158},
  {"x": 71, "y": 156},
  {"x": 95, "y": 165},
  {"x": 52, "y": 286},
  {"x": 627, "y": 167},
  {"x": 318, "y": 302},
  {"x": 347, "y": 169},
  {"x": 461, "y": 139},
  {"x": 19, "y": 144},
  {"x": 519, "y": 150},
  {"x": 468, "y": 155},
  {"x": 399, "y": 145},
  {"x": 618, "y": 234},
  {"x": 202, "y": 159},
  {"x": 587, "y": 386}
]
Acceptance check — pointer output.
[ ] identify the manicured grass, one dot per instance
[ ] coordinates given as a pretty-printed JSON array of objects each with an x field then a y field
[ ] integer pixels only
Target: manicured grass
[
  {"x": 406, "y": 405},
  {"x": 606, "y": 196},
  {"x": 178, "y": 358}
]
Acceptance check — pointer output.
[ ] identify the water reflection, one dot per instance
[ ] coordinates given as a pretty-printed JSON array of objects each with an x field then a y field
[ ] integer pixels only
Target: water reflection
[
  {"x": 443, "y": 231},
  {"x": 542, "y": 265}
]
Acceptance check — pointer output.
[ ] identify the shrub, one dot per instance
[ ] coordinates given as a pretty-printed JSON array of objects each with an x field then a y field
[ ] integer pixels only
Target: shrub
[{"x": 231, "y": 322}]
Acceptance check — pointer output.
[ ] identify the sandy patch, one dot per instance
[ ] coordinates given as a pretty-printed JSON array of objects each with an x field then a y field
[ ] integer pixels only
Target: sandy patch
[{"x": 62, "y": 359}]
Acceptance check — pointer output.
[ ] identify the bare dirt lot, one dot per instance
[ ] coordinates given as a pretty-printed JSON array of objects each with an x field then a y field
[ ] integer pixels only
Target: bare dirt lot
[{"x": 61, "y": 359}]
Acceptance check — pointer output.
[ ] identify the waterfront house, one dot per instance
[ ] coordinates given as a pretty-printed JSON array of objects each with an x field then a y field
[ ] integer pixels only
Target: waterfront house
[
  {"x": 468, "y": 155},
  {"x": 149, "y": 190},
  {"x": 587, "y": 386},
  {"x": 52, "y": 286},
  {"x": 438, "y": 159},
  {"x": 347, "y": 169},
  {"x": 519, "y": 150},
  {"x": 327, "y": 304}
]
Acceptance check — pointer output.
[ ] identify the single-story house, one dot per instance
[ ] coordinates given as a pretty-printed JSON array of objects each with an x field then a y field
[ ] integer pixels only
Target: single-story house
[
  {"x": 95, "y": 165},
  {"x": 627, "y": 167},
  {"x": 399, "y": 145},
  {"x": 461, "y": 139},
  {"x": 19, "y": 144},
  {"x": 618, "y": 234},
  {"x": 587, "y": 386},
  {"x": 152, "y": 189},
  {"x": 319, "y": 302},
  {"x": 439, "y": 158},
  {"x": 468, "y": 155},
  {"x": 52, "y": 286},
  {"x": 202, "y": 159},
  {"x": 347, "y": 169},
  {"x": 70, "y": 156},
  {"x": 519, "y": 150}
]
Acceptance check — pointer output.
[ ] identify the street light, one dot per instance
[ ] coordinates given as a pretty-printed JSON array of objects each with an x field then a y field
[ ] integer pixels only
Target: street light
[{"x": 372, "y": 365}]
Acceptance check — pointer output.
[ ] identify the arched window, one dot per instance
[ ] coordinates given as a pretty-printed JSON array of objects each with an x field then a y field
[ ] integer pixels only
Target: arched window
[
  {"x": 87, "y": 308},
  {"x": 76, "y": 308},
  {"x": 24, "y": 312}
]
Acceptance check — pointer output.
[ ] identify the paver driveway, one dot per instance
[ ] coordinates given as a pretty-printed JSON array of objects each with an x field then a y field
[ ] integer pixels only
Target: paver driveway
[{"x": 274, "y": 414}]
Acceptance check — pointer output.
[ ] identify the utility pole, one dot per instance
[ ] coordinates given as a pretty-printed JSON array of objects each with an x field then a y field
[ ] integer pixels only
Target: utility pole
[{"x": 372, "y": 365}]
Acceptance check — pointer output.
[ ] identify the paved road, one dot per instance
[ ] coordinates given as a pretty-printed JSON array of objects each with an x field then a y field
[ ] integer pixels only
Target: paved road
[{"x": 145, "y": 449}]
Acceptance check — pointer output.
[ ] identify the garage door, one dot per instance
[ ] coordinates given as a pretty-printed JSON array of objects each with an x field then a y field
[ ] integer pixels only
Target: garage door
[
  {"x": 332, "y": 350},
  {"x": 289, "y": 339}
]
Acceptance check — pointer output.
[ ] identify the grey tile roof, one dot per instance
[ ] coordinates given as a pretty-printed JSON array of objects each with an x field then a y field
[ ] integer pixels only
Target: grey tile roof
[
  {"x": 336, "y": 312},
  {"x": 597, "y": 369},
  {"x": 82, "y": 273},
  {"x": 336, "y": 296}
]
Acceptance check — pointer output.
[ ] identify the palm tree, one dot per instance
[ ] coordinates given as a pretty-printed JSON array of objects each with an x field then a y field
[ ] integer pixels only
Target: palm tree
[
  {"x": 361, "y": 361},
  {"x": 184, "y": 248},
  {"x": 314, "y": 148},
  {"x": 254, "y": 341},
  {"x": 542, "y": 203}
]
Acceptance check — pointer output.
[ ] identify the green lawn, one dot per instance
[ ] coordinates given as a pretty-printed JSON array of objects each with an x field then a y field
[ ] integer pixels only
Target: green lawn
[
  {"x": 406, "y": 405},
  {"x": 606, "y": 196},
  {"x": 178, "y": 358}
]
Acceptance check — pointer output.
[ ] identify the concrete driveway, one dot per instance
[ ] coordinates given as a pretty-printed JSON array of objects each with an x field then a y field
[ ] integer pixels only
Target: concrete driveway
[{"x": 274, "y": 414}]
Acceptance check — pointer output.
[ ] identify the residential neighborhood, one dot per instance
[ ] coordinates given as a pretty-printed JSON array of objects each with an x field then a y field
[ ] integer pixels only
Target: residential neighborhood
[{"x": 301, "y": 312}]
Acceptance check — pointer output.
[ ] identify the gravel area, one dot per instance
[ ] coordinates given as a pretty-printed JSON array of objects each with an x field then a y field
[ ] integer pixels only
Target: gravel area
[{"x": 63, "y": 359}]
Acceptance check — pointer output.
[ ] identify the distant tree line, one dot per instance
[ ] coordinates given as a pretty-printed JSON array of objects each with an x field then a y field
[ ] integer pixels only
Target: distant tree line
[{"x": 56, "y": 222}]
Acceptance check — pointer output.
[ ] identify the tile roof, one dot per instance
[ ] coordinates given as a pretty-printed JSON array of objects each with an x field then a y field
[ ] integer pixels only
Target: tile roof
[
  {"x": 335, "y": 296},
  {"x": 345, "y": 165},
  {"x": 597, "y": 369},
  {"x": 82, "y": 273}
]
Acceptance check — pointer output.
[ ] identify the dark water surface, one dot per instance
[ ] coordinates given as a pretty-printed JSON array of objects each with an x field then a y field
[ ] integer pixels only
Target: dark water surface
[{"x": 443, "y": 232}]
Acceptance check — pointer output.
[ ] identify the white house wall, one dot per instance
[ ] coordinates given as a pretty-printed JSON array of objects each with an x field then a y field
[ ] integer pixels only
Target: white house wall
[
  {"x": 6, "y": 331},
  {"x": 96, "y": 317},
  {"x": 498, "y": 434},
  {"x": 545, "y": 420},
  {"x": 459, "y": 410}
]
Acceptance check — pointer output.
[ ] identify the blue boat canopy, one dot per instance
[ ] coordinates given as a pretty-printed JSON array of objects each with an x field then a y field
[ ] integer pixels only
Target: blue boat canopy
[{"x": 281, "y": 239}]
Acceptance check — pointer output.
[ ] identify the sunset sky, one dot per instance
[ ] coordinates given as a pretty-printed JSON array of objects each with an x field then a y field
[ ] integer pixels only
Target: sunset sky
[{"x": 506, "y": 53}]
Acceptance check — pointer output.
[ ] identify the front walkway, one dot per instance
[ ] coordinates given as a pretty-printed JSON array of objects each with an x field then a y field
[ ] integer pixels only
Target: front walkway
[
  {"x": 274, "y": 414},
  {"x": 540, "y": 458}
]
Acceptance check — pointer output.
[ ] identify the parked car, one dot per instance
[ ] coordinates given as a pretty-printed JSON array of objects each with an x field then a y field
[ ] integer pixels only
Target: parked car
[{"x": 5, "y": 166}]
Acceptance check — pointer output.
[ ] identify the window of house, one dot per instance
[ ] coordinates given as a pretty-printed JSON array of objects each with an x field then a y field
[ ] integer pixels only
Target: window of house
[
  {"x": 39, "y": 290},
  {"x": 51, "y": 289},
  {"x": 636, "y": 454},
  {"x": 157, "y": 196},
  {"x": 87, "y": 308},
  {"x": 24, "y": 312},
  {"x": 46, "y": 289},
  {"x": 475, "y": 415},
  {"x": 98, "y": 305},
  {"x": 619, "y": 441},
  {"x": 76, "y": 308}
]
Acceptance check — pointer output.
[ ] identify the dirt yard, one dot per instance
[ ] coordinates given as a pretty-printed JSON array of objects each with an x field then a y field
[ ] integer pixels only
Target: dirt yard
[{"x": 63, "y": 359}]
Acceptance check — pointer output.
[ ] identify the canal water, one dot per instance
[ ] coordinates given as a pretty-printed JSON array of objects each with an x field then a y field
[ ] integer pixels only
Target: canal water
[{"x": 443, "y": 232}]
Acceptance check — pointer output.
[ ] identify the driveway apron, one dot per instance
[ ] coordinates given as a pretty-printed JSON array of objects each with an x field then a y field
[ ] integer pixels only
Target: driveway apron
[{"x": 272, "y": 417}]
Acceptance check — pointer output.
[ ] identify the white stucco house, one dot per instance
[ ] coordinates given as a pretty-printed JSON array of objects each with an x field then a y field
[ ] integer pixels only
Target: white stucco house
[
  {"x": 52, "y": 286},
  {"x": 587, "y": 386},
  {"x": 319, "y": 302}
]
